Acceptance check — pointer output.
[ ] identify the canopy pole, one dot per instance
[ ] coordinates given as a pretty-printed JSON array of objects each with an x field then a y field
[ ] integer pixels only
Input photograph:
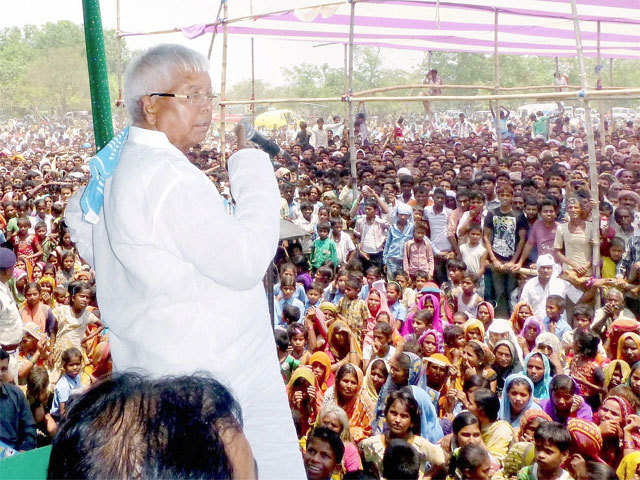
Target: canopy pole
[
  {"x": 593, "y": 171},
  {"x": 496, "y": 81},
  {"x": 557, "y": 66},
  {"x": 119, "y": 101},
  {"x": 352, "y": 139},
  {"x": 429, "y": 59},
  {"x": 98, "y": 78},
  {"x": 599, "y": 87},
  {"x": 253, "y": 73},
  {"x": 215, "y": 30},
  {"x": 223, "y": 84},
  {"x": 612, "y": 122}
]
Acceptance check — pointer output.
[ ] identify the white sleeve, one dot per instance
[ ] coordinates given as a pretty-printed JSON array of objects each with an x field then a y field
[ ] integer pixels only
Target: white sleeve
[
  {"x": 81, "y": 231},
  {"x": 231, "y": 250}
]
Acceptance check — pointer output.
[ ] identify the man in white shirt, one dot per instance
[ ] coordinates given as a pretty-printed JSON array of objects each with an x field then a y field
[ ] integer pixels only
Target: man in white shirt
[
  {"x": 536, "y": 291},
  {"x": 438, "y": 216},
  {"x": 319, "y": 137},
  {"x": 179, "y": 280}
]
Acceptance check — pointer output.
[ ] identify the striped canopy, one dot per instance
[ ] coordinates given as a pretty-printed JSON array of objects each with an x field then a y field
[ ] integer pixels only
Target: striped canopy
[{"x": 525, "y": 27}]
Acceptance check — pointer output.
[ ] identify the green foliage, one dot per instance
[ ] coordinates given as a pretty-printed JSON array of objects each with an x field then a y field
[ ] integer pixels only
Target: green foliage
[{"x": 45, "y": 68}]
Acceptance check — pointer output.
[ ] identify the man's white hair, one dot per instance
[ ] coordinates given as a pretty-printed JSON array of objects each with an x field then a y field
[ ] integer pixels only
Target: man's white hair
[{"x": 155, "y": 71}]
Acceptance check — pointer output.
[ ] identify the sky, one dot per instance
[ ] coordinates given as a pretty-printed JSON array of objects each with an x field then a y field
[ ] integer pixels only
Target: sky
[{"x": 271, "y": 55}]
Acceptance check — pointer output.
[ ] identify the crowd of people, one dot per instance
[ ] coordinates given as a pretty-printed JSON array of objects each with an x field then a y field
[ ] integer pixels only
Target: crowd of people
[{"x": 443, "y": 318}]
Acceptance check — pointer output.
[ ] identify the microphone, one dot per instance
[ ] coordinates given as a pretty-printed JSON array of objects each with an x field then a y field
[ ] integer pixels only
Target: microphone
[{"x": 256, "y": 137}]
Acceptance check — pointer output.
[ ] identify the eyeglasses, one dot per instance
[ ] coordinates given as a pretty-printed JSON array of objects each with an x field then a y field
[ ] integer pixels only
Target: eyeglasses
[{"x": 193, "y": 99}]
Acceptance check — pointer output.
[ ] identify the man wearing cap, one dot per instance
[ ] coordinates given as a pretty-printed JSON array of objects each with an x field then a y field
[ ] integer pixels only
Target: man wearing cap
[
  {"x": 10, "y": 319},
  {"x": 536, "y": 291}
]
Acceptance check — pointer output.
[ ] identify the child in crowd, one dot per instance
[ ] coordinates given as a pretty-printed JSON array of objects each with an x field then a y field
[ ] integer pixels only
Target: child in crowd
[
  {"x": 69, "y": 384},
  {"x": 475, "y": 257},
  {"x": 418, "y": 254},
  {"x": 468, "y": 300},
  {"x": 287, "y": 363},
  {"x": 323, "y": 249},
  {"x": 552, "y": 441},
  {"x": 354, "y": 309},
  {"x": 554, "y": 322}
]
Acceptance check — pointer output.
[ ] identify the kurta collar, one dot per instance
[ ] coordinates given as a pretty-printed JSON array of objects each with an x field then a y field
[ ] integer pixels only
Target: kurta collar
[{"x": 152, "y": 138}]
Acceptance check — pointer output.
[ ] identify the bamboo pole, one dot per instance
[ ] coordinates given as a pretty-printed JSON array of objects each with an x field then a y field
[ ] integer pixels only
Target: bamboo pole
[
  {"x": 253, "y": 72},
  {"x": 593, "y": 171},
  {"x": 632, "y": 92},
  {"x": 613, "y": 123},
  {"x": 119, "y": 101},
  {"x": 496, "y": 81},
  {"x": 223, "y": 84},
  {"x": 469, "y": 87},
  {"x": 352, "y": 140},
  {"x": 215, "y": 30},
  {"x": 599, "y": 86}
]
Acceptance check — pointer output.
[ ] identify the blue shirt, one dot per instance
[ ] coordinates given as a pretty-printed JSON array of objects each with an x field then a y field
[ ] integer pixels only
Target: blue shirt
[
  {"x": 398, "y": 310},
  {"x": 278, "y": 307},
  {"x": 396, "y": 238},
  {"x": 561, "y": 326},
  {"x": 64, "y": 388}
]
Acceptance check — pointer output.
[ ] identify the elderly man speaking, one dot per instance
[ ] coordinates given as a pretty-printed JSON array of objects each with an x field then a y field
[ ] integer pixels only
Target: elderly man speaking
[{"x": 178, "y": 279}]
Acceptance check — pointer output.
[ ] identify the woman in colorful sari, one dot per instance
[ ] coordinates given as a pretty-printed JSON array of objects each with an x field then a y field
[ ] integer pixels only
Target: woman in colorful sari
[
  {"x": 521, "y": 312},
  {"x": 431, "y": 342},
  {"x": 532, "y": 327},
  {"x": 517, "y": 399},
  {"x": 375, "y": 378},
  {"x": 586, "y": 446},
  {"x": 473, "y": 330},
  {"x": 34, "y": 310},
  {"x": 305, "y": 399},
  {"x": 538, "y": 369},
  {"x": 342, "y": 346},
  {"x": 348, "y": 394},
  {"x": 485, "y": 314},
  {"x": 506, "y": 362},
  {"x": 431, "y": 299},
  {"x": 615, "y": 417},
  {"x": 405, "y": 369},
  {"x": 377, "y": 306},
  {"x": 616, "y": 373},
  {"x": 629, "y": 348},
  {"x": 320, "y": 365}
]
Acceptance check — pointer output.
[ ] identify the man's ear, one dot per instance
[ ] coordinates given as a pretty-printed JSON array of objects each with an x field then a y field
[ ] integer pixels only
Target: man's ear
[{"x": 148, "y": 109}]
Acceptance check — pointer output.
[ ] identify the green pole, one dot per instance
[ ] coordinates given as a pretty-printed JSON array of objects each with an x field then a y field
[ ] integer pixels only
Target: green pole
[{"x": 98, "y": 79}]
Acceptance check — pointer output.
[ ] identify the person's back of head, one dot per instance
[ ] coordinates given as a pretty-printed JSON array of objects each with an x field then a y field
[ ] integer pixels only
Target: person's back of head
[
  {"x": 129, "y": 427},
  {"x": 400, "y": 461}
]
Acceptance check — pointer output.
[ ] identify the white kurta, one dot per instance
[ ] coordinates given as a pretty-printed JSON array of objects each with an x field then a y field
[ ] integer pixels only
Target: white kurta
[{"x": 179, "y": 281}]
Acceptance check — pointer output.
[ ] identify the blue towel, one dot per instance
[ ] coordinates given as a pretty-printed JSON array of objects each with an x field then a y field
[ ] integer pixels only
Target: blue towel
[{"x": 101, "y": 166}]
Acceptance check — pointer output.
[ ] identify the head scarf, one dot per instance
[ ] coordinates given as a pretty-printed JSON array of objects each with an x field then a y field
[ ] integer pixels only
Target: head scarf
[
  {"x": 429, "y": 424},
  {"x": 340, "y": 325},
  {"x": 349, "y": 408},
  {"x": 516, "y": 314},
  {"x": 550, "y": 339},
  {"x": 407, "y": 327},
  {"x": 532, "y": 321},
  {"x": 625, "y": 407},
  {"x": 328, "y": 307},
  {"x": 505, "y": 412},
  {"x": 501, "y": 326},
  {"x": 472, "y": 324},
  {"x": 490, "y": 308},
  {"x": 520, "y": 455},
  {"x": 515, "y": 366},
  {"x": 383, "y": 308},
  {"x": 305, "y": 373},
  {"x": 528, "y": 417},
  {"x": 438, "y": 337},
  {"x": 368, "y": 381},
  {"x": 540, "y": 389},
  {"x": 628, "y": 466},
  {"x": 415, "y": 377},
  {"x": 625, "y": 369},
  {"x": 585, "y": 437},
  {"x": 633, "y": 336},
  {"x": 323, "y": 359}
]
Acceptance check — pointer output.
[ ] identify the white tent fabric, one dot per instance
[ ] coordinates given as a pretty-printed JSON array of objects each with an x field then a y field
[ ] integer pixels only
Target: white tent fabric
[{"x": 526, "y": 27}]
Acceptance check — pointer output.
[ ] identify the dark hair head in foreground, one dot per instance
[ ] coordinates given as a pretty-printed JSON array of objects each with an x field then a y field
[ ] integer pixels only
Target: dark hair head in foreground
[{"x": 175, "y": 427}]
